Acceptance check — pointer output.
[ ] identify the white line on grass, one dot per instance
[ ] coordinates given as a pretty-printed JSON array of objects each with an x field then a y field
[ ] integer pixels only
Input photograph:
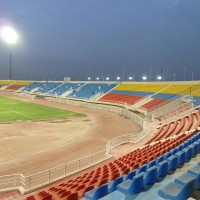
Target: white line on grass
[{"x": 19, "y": 113}]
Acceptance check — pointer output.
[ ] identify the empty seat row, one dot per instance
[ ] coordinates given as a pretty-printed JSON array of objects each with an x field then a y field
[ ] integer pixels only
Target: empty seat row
[{"x": 143, "y": 178}]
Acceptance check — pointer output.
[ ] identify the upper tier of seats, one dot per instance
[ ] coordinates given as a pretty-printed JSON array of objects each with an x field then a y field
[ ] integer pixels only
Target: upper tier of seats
[
  {"x": 48, "y": 86},
  {"x": 151, "y": 94},
  {"x": 13, "y": 85},
  {"x": 131, "y": 93},
  {"x": 64, "y": 88},
  {"x": 32, "y": 87},
  {"x": 91, "y": 90}
]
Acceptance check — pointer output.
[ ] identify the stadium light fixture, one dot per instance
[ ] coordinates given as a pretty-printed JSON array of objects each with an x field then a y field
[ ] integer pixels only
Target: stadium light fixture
[
  {"x": 97, "y": 78},
  {"x": 89, "y": 78},
  {"x": 107, "y": 78},
  {"x": 130, "y": 78},
  {"x": 159, "y": 78},
  {"x": 10, "y": 36},
  {"x": 144, "y": 78},
  {"x": 118, "y": 78}
]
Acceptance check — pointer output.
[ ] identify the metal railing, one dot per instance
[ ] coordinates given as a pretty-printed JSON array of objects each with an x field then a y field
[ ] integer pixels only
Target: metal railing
[
  {"x": 29, "y": 183},
  {"x": 122, "y": 110},
  {"x": 130, "y": 138},
  {"x": 13, "y": 181}
]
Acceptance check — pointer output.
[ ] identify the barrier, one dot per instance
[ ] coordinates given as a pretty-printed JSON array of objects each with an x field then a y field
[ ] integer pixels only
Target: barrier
[
  {"x": 29, "y": 183},
  {"x": 26, "y": 184}
]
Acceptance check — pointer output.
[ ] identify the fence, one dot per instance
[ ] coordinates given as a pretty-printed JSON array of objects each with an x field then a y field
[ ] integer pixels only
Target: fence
[
  {"x": 125, "y": 139},
  {"x": 122, "y": 110},
  {"x": 29, "y": 183}
]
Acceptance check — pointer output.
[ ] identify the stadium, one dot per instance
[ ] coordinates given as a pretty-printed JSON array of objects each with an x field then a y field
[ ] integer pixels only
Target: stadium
[{"x": 99, "y": 140}]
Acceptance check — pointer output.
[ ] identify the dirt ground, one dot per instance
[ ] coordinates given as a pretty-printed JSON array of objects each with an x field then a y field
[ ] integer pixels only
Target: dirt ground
[{"x": 30, "y": 147}]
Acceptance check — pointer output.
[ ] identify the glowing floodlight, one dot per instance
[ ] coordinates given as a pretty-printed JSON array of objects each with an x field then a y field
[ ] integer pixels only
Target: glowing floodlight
[
  {"x": 130, "y": 78},
  {"x": 118, "y": 78},
  {"x": 144, "y": 78},
  {"x": 9, "y": 35},
  {"x": 159, "y": 78},
  {"x": 97, "y": 78},
  {"x": 107, "y": 78}
]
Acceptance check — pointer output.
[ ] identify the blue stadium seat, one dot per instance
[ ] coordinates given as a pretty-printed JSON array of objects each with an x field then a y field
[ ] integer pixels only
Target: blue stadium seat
[
  {"x": 97, "y": 193},
  {"x": 116, "y": 195},
  {"x": 196, "y": 172},
  {"x": 150, "y": 177},
  {"x": 173, "y": 191},
  {"x": 172, "y": 164},
  {"x": 160, "y": 159},
  {"x": 188, "y": 153},
  {"x": 112, "y": 185},
  {"x": 181, "y": 158},
  {"x": 162, "y": 170},
  {"x": 130, "y": 175},
  {"x": 143, "y": 168},
  {"x": 188, "y": 181},
  {"x": 134, "y": 186},
  {"x": 151, "y": 163}
]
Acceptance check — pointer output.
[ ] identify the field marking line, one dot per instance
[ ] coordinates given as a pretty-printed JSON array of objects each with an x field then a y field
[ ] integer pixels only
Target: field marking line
[{"x": 19, "y": 113}]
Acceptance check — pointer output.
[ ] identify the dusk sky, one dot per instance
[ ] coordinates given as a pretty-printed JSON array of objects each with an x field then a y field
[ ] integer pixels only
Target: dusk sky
[{"x": 82, "y": 38}]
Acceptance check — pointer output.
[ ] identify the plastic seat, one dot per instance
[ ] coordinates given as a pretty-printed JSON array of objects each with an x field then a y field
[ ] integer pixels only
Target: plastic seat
[
  {"x": 194, "y": 147},
  {"x": 151, "y": 164},
  {"x": 173, "y": 191},
  {"x": 83, "y": 191},
  {"x": 188, "y": 153},
  {"x": 143, "y": 168},
  {"x": 130, "y": 175},
  {"x": 116, "y": 195},
  {"x": 162, "y": 170},
  {"x": 160, "y": 159},
  {"x": 134, "y": 186},
  {"x": 73, "y": 196},
  {"x": 47, "y": 197},
  {"x": 187, "y": 180},
  {"x": 195, "y": 171},
  {"x": 112, "y": 186},
  {"x": 181, "y": 158},
  {"x": 97, "y": 193},
  {"x": 172, "y": 164},
  {"x": 150, "y": 177}
]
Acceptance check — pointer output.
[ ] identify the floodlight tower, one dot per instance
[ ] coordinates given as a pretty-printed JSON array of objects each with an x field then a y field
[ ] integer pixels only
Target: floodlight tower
[{"x": 9, "y": 35}]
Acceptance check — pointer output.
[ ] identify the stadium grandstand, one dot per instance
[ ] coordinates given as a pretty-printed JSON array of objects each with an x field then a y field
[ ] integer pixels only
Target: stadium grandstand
[{"x": 157, "y": 163}]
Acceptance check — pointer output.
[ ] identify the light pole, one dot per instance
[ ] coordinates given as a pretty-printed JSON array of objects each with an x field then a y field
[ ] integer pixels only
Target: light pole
[
  {"x": 9, "y": 35},
  {"x": 184, "y": 72},
  {"x": 174, "y": 77}
]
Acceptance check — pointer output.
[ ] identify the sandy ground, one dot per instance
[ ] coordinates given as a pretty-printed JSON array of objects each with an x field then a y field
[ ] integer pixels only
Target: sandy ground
[{"x": 30, "y": 147}]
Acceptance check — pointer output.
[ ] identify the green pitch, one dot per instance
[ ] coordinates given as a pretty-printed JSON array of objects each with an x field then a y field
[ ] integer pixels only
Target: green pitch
[{"x": 13, "y": 110}]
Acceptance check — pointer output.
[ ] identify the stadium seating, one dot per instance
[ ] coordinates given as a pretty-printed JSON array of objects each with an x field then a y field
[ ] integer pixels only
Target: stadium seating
[
  {"x": 131, "y": 94},
  {"x": 64, "y": 88},
  {"x": 46, "y": 87},
  {"x": 91, "y": 90},
  {"x": 150, "y": 168},
  {"x": 32, "y": 87},
  {"x": 13, "y": 85},
  {"x": 174, "y": 144}
]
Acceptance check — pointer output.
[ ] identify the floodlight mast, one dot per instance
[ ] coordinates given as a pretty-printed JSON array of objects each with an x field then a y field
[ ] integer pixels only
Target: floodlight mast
[{"x": 9, "y": 35}]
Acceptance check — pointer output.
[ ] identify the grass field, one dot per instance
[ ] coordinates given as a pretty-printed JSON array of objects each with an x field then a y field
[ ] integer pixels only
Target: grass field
[{"x": 14, "y": 110}]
